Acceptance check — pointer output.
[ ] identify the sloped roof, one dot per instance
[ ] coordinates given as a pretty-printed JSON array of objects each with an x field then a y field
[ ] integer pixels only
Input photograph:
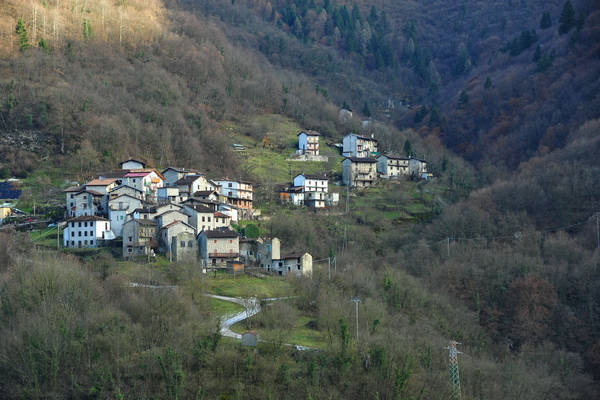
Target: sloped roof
[
  {"x": 101, "y": 182},
  {"x": 321, "y": 177},
  {"x": 221, "y": 215},
  {"x": 92, "y": 192},
  {"x": 124, "y": 195},
  {"x": 202, "y": 209},
  {"x": 359, "y": 160},
  {"x": 188, "y": 179},
  {"x": 74, "y": 189},
  {"x": 393, "y": 157},
  {"x": 133, "y": 159},
  {"x": 309, "y": 133},
  {"x": 181, "y": 170},
  {"x": 87, "y": 218},
  {"x": 204, "y": 192},
  {"x": 362, "y": 137},
  {"x": 125, "y": 186},
  {"x": 175, "y": 223},
  {"x": 216, "y": 234}
]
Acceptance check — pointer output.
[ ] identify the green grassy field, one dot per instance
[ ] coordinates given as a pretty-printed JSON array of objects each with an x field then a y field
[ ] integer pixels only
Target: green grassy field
[
  {"x": 301, "y": 334},
  {"x": 223, "y": 307},
  {"x": 46, "y": 237},
  {"x": 248, "y": 286},
  {"x": 270, "y": 163}
]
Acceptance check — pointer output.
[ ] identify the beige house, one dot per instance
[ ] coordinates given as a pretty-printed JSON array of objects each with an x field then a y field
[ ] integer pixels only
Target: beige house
[
  {"x": 170, "y": 216},
  {"x": 218, "y": 246},
  {"x": 359, "y": 172},
  {"x": 392, "y": 166}
]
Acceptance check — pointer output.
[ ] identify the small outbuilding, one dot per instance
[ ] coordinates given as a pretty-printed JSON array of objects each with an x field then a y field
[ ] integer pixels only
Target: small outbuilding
[{"x": 249, "y": 339}]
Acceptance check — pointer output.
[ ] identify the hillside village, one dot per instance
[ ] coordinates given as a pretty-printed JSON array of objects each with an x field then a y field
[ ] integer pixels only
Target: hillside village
[{"x": 185, "y": 215}]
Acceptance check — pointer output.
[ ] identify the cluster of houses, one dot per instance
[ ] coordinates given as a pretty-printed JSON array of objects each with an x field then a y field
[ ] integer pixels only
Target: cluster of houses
[
  {"x": 309, "y": 190},
  {"x": 363, "y": 165},
  {"x": 178, "y": 212}
]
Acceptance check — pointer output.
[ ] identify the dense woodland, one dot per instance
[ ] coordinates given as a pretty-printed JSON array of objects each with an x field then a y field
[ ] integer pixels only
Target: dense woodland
[{"x": 502, "y": 96}]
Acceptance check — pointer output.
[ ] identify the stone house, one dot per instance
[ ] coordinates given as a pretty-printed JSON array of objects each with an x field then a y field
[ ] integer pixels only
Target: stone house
[
  {"x": 173, "y": 174},
  {"x": 295, "y": 263},
  {"x": 140, "y": 237},
  {"x": 359, "y": 172},
  {"x": 184, "y": 247},
  {"x": 170, "y": 216},
  {"x": 169, "y": 233},
  {"x": 128, "y": 190},
  {"x": 269, "y": 252},
  {"x": 218, "y": 246},
  {"x": 249, "y": 250}
]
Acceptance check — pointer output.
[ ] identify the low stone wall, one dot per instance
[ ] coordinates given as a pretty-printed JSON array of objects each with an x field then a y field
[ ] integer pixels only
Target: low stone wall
[{"x": 308, "y": 157}]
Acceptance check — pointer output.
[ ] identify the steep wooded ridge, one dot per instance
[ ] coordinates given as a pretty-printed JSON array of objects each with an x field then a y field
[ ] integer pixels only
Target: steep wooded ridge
[
  {"x": 506, "y": 260},
  {"x": 487, "y": 78}
]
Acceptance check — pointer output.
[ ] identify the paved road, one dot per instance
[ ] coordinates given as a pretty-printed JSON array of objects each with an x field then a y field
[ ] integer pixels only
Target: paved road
[{"x": 251, "y": 307}]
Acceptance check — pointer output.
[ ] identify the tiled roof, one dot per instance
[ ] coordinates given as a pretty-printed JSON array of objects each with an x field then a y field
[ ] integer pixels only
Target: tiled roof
[
  {"x": 175, "y": 223},
  {"x": 92, "y": 192},
  {"x": 201, "y": 209},
  {"x": 221, "y": 234},
  {"x": 101, "y": 182},
  {"x": 393, "y": 157},
  {"x": 221, "y": 215},
  {"x": 204, "y": 193},
  {"x": 187, "y": 180},
  {"x": 74, "y": 189},
  {"x": 363, "y": 159}
]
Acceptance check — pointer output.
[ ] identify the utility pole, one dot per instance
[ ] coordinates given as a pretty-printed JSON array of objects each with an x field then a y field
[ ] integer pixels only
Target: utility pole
[
  {"x": 448, "y": 245},
  {"x": 453, "y": 369},
  {"x": 335, "y": 264},
  {"x": 356, "y": 300},
  {"x": 329, "y": 267},
  {"x": 57, "y": 235}
]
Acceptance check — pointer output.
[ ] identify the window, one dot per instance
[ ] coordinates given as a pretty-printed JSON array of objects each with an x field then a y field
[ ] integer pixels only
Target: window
[
  {"x": 130, "y": 239},
  {"x": 208, "y": 219},
  {"x": 85, "y": 242},
  {"x": 121, "y": 218},
  {"x": 145, "y": 216},
  {"x": 182, "y": 244},
  {"x": 79, "y": 224},
  {"x": 79, "y": 233},
  {"x": 129, "y": 250},
  {"x": 230, "y": 241},
  {"x": 85, "y": 233},
  {"x": 72, "y": 233},
  {"x": 298, "y": 268},
  {"x": 190, "y": 243},
  {"x": 229, "y": 186},
  {"x": 91, "y": 242},
  {"x": 72, "y": 197},
  {"x": 203, "y": 219},
  {"x": 215, "y": 240}
]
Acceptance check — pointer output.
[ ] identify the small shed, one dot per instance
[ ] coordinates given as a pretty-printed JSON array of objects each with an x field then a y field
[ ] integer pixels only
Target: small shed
[
  {"x": 249, "y": 339},
  {"x": 235, "y": 267}
]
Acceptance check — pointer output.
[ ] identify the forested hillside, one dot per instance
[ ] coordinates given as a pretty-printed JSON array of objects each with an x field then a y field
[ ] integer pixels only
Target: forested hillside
[{"x": 500, "y": 251}]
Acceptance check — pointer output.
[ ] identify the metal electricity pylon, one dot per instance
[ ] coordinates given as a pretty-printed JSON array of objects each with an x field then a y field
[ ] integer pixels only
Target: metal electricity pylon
[{"x": 453, "y": 369}]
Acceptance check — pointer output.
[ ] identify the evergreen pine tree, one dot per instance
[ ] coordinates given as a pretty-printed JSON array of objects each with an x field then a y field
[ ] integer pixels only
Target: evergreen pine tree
[
  {"x": 42, "y": 44},
  {"x": 366, "y": 110},
  {"x": 408, "y": 150},
  {"x": 488, "y": 83},
  {"x": 463, "y": 99},
  {"x": 537, "y": 54},
  {"x": 567, "y": 18},
  {"x": 22, "y": 35},
  {"x": 546, "y": 21}
]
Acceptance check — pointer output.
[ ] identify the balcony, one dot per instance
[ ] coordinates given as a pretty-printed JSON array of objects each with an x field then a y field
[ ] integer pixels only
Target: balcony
[{"x": 223, "y": 255}]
